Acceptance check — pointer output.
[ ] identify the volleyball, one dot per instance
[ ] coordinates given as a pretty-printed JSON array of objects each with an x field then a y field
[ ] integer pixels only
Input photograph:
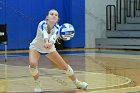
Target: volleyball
[{"x": 66, "y": 32}]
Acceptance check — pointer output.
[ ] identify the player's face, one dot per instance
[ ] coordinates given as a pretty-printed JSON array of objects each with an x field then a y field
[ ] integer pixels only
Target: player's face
[{"x": 53, "y": 16}]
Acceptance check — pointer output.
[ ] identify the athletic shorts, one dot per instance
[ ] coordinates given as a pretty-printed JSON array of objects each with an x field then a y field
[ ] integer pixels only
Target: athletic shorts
[{"x": 41, "y": 49}]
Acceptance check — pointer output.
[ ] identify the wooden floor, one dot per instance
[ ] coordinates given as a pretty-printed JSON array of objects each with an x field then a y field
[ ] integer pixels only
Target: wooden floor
[{"x": 106, "y": 71}]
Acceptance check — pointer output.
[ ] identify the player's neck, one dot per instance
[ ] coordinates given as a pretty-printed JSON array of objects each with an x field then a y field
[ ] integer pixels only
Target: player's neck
[{"x": 51, "y": 24}]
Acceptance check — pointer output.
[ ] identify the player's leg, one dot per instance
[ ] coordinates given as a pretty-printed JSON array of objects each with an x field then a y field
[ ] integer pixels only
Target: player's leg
[
  {"x": 33, "y": 68},
  {"x": 58, "y": 60}
]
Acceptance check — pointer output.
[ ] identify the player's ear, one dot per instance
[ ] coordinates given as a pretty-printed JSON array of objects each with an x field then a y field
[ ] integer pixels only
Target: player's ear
[{"x": 46, "y": 17}]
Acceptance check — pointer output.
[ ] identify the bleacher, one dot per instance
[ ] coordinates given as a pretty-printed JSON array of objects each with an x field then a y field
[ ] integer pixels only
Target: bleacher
[{"x": 122, "y": 26}]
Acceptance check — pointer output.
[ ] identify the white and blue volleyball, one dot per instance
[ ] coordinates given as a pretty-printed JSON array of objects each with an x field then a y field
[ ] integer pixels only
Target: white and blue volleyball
[{"x": 67, "y": 31}]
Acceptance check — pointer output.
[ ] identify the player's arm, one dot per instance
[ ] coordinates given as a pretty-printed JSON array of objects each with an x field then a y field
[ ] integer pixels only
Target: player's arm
[
  {"x": 43, "y": 30},
  {"x": 53, "y": 38},
  {"x": 44, "y": 33}
]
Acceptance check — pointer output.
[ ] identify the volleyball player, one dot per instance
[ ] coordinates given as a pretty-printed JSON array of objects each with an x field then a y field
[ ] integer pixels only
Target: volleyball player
[{"x": 43, "y": 43}]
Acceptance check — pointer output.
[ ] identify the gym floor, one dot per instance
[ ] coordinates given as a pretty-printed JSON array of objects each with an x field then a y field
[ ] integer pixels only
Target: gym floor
[{"x": 106, "y": 71}]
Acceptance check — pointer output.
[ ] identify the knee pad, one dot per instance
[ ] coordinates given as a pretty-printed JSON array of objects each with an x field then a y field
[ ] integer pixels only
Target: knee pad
[
  {"x": 69, "y": 71},
  {"x": 33, "y": 71}
]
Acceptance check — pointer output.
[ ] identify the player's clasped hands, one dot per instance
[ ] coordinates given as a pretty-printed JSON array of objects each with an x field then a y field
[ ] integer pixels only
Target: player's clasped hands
[{"x": 48, "y": 45}]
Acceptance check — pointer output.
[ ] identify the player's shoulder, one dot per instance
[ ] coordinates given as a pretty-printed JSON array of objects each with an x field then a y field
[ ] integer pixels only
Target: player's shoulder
[
  {"x": 42, "y": 22},
  {"x": 56, "y": 26}
]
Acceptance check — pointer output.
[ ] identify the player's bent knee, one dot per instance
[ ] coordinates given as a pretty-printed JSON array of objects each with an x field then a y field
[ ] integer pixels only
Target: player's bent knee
[
  {"x": 33, "y": 63},
  {"x": 33, "y": 71},
  {"x": 69, "y": 71}
]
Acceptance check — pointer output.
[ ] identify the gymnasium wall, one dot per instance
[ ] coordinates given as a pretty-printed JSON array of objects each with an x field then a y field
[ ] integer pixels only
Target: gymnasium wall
[
  {"x": 95, "y": 20},
  {"x": 23, "y": 16}
]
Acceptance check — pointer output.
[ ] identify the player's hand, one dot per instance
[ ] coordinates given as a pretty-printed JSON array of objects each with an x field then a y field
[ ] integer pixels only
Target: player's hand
[{"x": 48, "y": 45}]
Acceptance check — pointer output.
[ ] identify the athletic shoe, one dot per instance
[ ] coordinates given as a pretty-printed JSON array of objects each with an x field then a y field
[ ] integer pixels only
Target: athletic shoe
[
  {"x": 81, "y": 85},
  {"x": 37, "y": 87}
]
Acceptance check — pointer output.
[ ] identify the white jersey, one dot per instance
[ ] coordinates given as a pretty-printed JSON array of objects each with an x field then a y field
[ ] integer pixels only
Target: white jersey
[{"x": 42, "y": 33}]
